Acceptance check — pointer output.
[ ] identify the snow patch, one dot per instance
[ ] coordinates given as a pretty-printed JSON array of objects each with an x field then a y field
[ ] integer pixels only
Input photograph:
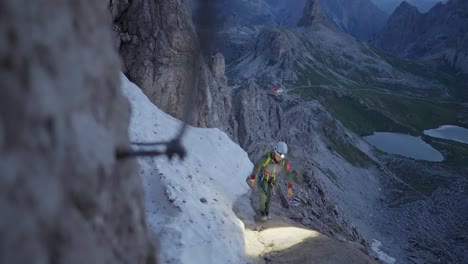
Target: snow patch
[
  {"x": 189, "y": 203},
  {"x": 382, "y": 255}
]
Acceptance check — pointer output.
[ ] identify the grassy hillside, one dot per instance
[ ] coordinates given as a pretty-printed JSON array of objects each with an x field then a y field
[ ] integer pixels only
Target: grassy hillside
[
  {"x": 365, "y": 105},
  {"x": 364, "y": 88},
  {"x": 366, "y": 111},
  {"x": 366, "y": 100}
]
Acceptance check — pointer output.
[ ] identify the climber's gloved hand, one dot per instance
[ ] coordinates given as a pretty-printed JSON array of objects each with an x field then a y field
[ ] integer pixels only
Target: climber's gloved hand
[
  {"x": 252, "y": 181},
  {"x": 289, "y": 190}
]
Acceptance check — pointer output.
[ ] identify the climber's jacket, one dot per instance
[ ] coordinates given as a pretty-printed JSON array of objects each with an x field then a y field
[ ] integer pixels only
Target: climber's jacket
[{"x": 268, "y": 170}]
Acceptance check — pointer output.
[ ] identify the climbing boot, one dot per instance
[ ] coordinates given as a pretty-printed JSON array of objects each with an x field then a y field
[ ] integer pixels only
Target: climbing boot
[{"x": 264, "y": 217}]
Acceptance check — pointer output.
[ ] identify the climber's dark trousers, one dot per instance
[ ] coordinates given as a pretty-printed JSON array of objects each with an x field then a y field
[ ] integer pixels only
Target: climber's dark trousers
[{"x": 265, "y": 196}]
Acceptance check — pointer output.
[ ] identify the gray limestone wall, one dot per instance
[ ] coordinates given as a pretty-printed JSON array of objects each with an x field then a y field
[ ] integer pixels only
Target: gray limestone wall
[{"x": 64, "y": 198}]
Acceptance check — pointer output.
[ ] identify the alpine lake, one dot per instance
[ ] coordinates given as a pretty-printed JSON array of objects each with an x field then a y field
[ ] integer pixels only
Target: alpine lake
[{"x": 415, "y": 147}]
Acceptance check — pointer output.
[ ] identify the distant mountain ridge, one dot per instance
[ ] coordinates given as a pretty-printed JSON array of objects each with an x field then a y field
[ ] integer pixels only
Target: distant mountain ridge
[
  {"x": 439, "y": 37},
  {"x": 359, "y": 18},
  {"x": 389, "y": 6},
  {"x": 242, "y": 20}
]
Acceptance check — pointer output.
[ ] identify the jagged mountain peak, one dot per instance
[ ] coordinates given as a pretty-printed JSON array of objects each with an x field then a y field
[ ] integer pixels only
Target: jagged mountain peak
[
  {"x": 310, "y": 13},
  {"x": 313, "y": 15},
  {"x": 406, "y": 7},
  {"x": 389, "y": 6},
  {"x": 359, "y": 18},
  {"x": 330, "y": 56},
  {"x": 405, "y": 22},
  {"x": 273, "y": 55},
  {"x": 438, "y": 37}
]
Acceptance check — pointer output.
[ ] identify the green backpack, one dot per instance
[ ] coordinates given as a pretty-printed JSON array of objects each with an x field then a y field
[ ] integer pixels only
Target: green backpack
[{"x": 261, "y": 175}]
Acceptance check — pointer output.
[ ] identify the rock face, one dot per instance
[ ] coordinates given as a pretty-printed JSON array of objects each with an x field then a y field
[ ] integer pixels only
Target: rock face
[
  {"x": 430, "y": 217},
  {"x": 117, "y": 7},
  {"x": 219, "y": 99},
  {"x": 312, "y": 134},
  {"x": 243, "y": 20},
  {"x": 262, "y": 121},
  {"x": 403, "y": 27},
  {"x": 246, "y": 13},
  {"x": 311, "y": 57},
  {"x": 161, "y": 53},
  {"x": 309, "y": 14},
  {"x": 258, "y": 118},
  {"x": 322, "y": 55},
  {"x": 287, "y": 13},
  {"x": 390, "y": 5},
  {"x": 274, "y": 53},
  {"x": 64, "y": 197},
  {"x": 359, "y": 18},
  {"x": 439, "y": 37},
  {"x": 313, "y": 14},
  {"x": 236, "y": 41},
  {"x": 218, "y": 66}
]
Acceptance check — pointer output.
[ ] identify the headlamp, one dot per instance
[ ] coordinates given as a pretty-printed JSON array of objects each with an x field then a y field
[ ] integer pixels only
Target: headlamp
[{"x": 281, "y": 155}]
